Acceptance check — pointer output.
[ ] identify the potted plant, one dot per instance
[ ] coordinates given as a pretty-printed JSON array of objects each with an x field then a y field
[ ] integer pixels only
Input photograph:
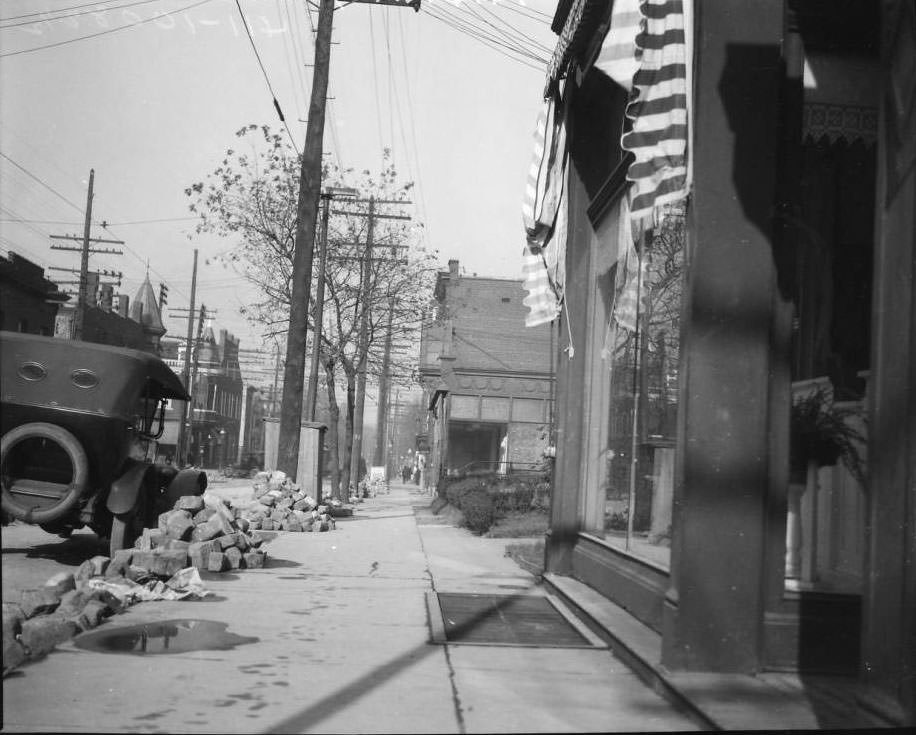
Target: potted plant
[
  {"x": 820, "y": 432},
  {"x": 820, "y": 435}
]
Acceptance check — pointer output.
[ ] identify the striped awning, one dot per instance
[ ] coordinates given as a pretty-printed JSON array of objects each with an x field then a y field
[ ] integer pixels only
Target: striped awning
[
  {"x": 645, "y": 52},
  {"x": 544, "y": 215},
  {"x": 658, "y": 112}
]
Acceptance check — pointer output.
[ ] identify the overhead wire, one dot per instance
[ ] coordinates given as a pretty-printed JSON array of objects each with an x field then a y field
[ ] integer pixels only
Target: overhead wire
[
  {"x": 292, "y": 61},
  {"x": 106, "y": 31},
  {"x": 330, "y": 115},
  {"x": 98, "y": 8},
  {"x": 412, "y": 118},
  {"x": 513, "y": 47},
  {"x": 375, "y": 84},
  {"x": 266, "y": 77}
]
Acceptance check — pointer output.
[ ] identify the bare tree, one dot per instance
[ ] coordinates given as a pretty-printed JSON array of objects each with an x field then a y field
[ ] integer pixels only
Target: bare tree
[{"x": 250, "y": 198}]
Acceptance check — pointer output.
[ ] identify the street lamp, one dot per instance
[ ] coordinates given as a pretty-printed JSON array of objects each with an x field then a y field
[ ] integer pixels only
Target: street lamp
[{"x": 327, "y": 194}]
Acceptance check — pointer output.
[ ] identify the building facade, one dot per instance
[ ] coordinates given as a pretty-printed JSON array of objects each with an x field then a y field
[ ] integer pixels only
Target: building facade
[
  {"x": 776, "y": 261},
  {"x": 487, "y": 380},
  {"x": 28, "y": 300},
  {"x": 217, "y": 391}
]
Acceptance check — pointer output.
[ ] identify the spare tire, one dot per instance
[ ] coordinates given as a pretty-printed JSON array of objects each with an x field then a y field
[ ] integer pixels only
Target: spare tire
[{"x": 44, "y": 471}]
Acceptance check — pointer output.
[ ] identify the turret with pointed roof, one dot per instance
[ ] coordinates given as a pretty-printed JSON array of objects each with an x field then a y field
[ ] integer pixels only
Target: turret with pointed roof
[{"x": 145, "y": 310}]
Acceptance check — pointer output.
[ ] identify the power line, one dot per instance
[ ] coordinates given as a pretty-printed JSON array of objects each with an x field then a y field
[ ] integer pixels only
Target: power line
[
  {"x": 105, "y": 32},
  {"x": 266, "y": 78},
  {"x": 496, "y": 41},
  {"x": 96, "y": 6},
  {"x": 47, "y": 186}
]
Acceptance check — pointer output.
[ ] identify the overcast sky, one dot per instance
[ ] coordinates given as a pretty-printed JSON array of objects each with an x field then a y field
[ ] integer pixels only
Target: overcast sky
[{"x": 454, "y": 90}]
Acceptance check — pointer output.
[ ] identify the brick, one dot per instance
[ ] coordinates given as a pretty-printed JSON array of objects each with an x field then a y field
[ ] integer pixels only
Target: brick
[
  {"x": 173, "y": 544},
  {"x": 122, "y": 559},
  {"x": 151, "y": 538},
  {"x": 203, "y": 515},
  {"x": 13, "y": 654},
  {"x": 242, "y": 523},
  {"x": 267, "y": 500},
  {"x": 254, "y": 560},
  {"x": 95, "y": 612},
  {"x": 179, "y": 525},
  {"x": 162, "y": 562},
  {"x": 224, "y": 542},
  {"x": 210, "y": 529},
  {"x": 190, "y": 503},
  {"x": 199, "y": 553},
  {"x": 12, "y": 617},
  {"x": 40, "y": 635},
  {"x": 217, "y": 562},
  {"x": 72, "y": 602},
  {"x": 86, "y": 571},
  {"x": 234, "y": 557},
  {"x": 39, "y": 601},
  {"x": 284, "y": 503},
  {"x": 110, "y": 601},
  {"x": 62, "y": 582}
]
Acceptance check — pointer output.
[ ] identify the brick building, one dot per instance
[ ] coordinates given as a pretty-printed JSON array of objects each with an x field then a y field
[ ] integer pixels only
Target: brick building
[
  {"x": 28, "y": 301},
  {"x": 487, "y": 379}
]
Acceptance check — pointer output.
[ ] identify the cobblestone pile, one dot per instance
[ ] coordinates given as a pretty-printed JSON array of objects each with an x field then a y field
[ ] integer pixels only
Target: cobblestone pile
[
  {"x": 197, "y": 532},
  {"x": 280, "y": 505}
]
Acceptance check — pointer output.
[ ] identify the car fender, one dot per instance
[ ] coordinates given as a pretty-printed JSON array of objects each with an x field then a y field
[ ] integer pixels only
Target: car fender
[
  {"x": 126, "y": 488},
  {"x": 187, "y": 482}
]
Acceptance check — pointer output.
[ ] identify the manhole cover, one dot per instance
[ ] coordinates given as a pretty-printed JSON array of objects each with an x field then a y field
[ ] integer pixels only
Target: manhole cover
[
  {"x": 506, "y": 620},
  {"x": 170, "y": 636}
]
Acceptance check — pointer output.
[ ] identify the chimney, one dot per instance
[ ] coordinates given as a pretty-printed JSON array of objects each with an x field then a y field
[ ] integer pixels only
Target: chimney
[
  {"x": 124, "y": 305},
  {"x": 453, "y": 269}
]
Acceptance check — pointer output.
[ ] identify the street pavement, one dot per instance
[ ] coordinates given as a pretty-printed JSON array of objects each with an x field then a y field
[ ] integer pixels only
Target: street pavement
[{"x": 344, "y": 644}]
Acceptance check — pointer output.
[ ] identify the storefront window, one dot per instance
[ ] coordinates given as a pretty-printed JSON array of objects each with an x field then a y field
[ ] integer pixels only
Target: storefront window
[{"x": 644, "y": 356}]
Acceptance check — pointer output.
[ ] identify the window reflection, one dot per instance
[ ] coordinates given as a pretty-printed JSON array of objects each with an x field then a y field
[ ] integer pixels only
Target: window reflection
[{"x": 644, "y": 352}]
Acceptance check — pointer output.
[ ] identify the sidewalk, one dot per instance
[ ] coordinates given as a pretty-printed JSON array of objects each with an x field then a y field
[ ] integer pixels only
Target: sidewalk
[{"x": 343, "y": 645}]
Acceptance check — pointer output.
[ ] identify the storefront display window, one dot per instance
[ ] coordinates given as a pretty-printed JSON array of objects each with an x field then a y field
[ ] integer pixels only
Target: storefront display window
[{"x": 643, "y": 350}]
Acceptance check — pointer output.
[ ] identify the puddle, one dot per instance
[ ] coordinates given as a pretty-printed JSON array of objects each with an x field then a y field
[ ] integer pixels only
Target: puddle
[{"x": 170, "y": 636}]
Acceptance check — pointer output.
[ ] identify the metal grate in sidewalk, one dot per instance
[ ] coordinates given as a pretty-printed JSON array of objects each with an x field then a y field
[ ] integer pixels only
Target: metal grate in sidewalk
[{"x": 506, "y": 620}]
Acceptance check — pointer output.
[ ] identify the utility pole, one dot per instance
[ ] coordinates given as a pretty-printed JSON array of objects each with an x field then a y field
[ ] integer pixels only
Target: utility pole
[
  {"x": 363, "y": 339},
  {"x": 326, "y": 196},
  {"x": 312, "y": 394},
  {"x": 307, "y": 209},
  {"x": 84, "y": 264},
  {"x": 303, "y": 249},
  {"x": 362, "y": 350},
  {"x": 180, "y": 450},
  {"x": 85, "y": 249},
  {"x": 194, "y": 369},
  {"x": 378, "y": 457}
]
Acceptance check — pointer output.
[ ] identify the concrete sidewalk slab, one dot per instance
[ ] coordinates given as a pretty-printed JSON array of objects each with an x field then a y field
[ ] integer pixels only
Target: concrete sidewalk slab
[{"x": 343, "y": 645}]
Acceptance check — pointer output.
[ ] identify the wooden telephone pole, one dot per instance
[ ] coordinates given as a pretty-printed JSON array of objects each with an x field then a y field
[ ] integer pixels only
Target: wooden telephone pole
[
  {"x": 303, "y": 248},
  {"x": 181, "y": 449},
  {"x": 83, "y": 293}
]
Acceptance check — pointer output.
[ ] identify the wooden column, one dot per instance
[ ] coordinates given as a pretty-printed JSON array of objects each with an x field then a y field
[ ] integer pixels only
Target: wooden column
[{"x": 714, "y": 607}]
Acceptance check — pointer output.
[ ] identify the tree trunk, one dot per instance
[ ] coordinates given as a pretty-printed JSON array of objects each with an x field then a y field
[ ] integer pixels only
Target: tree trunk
[
  {"x": 332, "y": 433},
  {"x": 348, "y": 435}
]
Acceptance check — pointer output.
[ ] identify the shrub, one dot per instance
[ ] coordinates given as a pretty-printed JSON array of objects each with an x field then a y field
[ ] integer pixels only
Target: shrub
[{"x": 478, "y": 510}]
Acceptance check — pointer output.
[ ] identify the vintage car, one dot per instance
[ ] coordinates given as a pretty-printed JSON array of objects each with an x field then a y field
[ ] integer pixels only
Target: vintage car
[{"x": 80, "y": 424}]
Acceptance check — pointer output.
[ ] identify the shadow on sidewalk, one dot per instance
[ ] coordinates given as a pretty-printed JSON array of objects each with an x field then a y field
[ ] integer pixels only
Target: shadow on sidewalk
[{"x": 345, "y": 697}]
